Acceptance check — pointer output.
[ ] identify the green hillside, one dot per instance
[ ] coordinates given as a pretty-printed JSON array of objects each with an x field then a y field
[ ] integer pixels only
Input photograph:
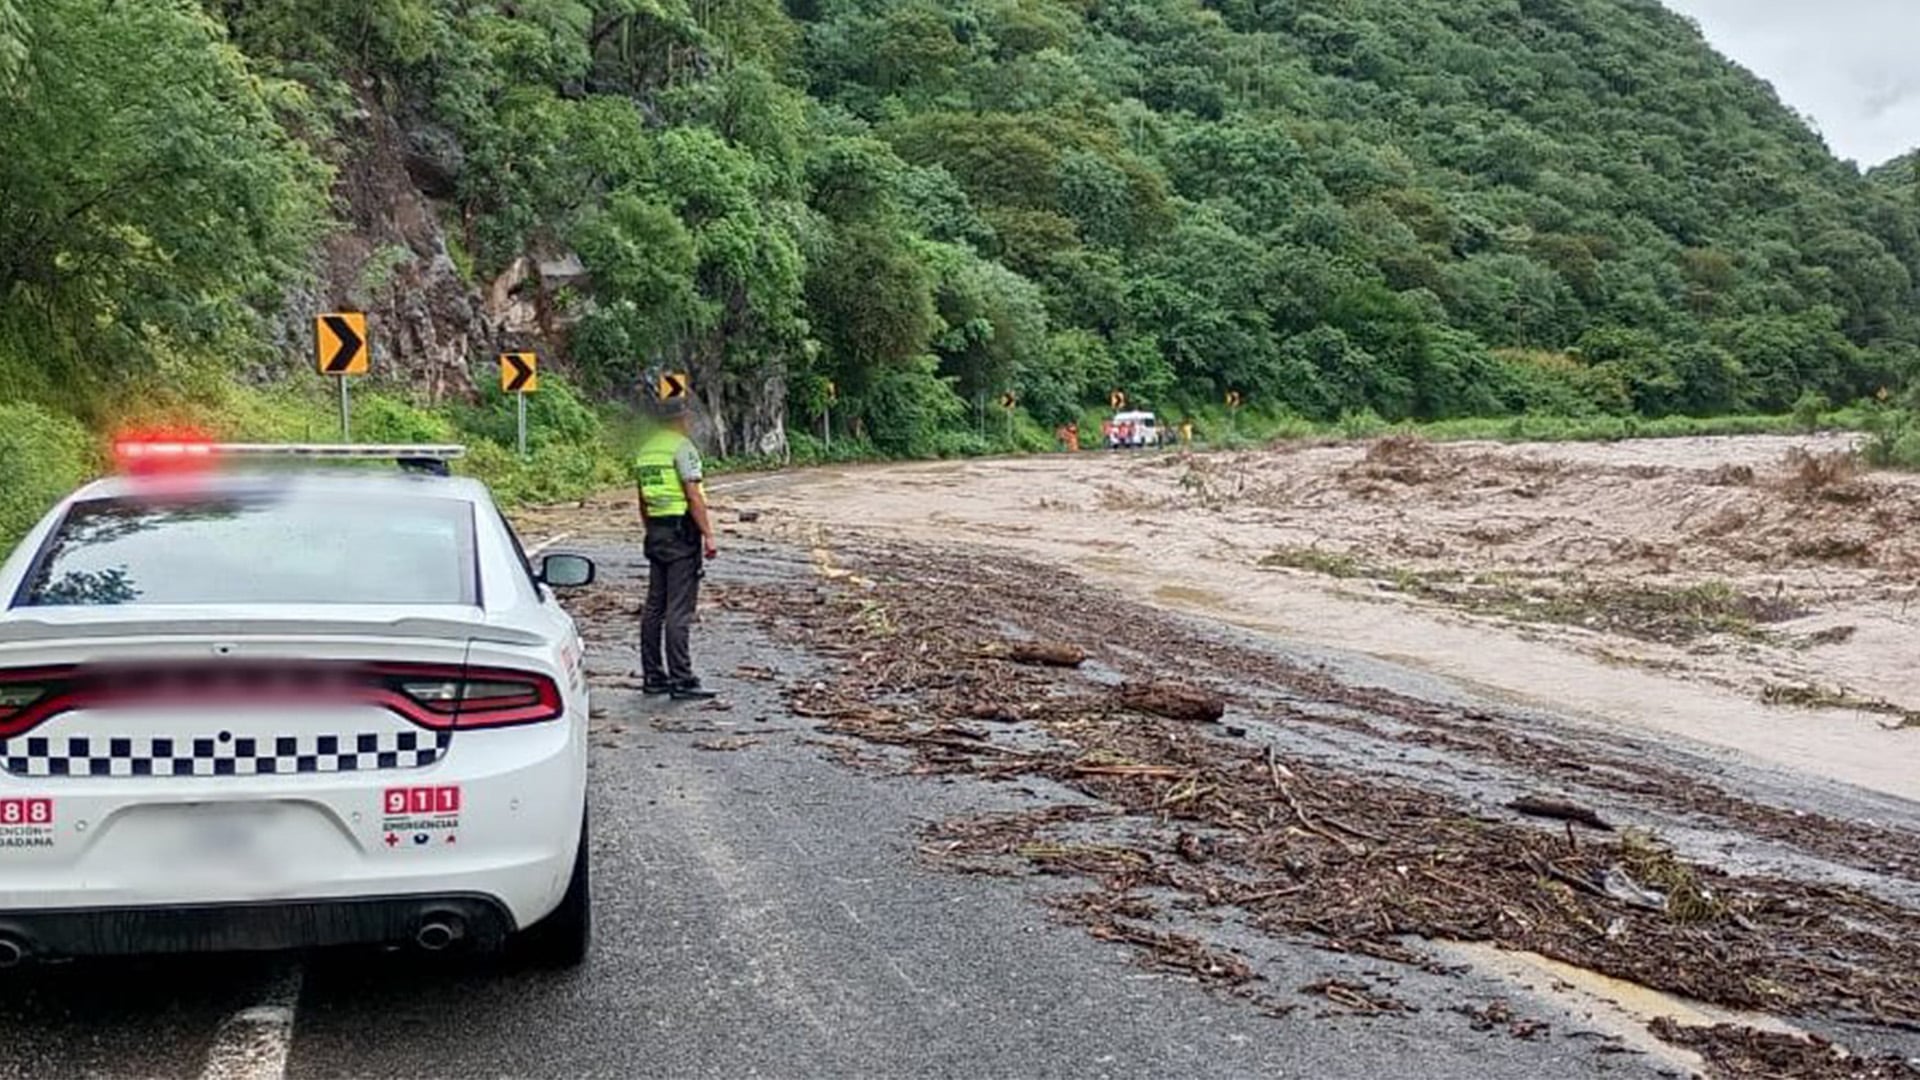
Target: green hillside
[{"x": 1420, "y": 208}]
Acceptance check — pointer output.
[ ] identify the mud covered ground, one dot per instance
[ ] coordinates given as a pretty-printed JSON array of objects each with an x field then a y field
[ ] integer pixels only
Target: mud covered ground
[
  {"x": 1777, "y": 566},
  {"x": 1754, "y": 593},
  {"x": 1227, "y": 693}
]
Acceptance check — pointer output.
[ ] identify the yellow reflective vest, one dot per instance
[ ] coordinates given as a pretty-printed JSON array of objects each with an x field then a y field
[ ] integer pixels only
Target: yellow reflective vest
[{"x": 658, "y": 473}]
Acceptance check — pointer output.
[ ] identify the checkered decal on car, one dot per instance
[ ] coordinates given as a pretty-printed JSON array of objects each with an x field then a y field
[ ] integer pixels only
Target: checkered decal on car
[{"x": 240, "y": 755}]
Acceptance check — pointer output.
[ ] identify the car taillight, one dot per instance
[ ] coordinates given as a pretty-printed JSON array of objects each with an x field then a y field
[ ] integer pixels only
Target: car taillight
[
  {"x": 480, "y": 698},
  {"x": 441, "y": 697}
]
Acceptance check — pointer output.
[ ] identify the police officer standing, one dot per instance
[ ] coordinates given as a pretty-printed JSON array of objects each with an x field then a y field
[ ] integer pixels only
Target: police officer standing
[{"x": 679, "y": 535}]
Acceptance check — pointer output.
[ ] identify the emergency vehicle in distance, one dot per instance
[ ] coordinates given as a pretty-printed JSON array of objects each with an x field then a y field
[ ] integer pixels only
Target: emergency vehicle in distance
[
  {"x": 267, "y": 709},
  {"x": 1132, "y": 431}
]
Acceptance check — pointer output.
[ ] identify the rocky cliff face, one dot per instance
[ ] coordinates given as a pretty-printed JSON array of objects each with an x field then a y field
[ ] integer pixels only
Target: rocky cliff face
[
  {"x": 751, "y": 418},
  {"x": 434, "y": 331},
  {"x": 390, "y": 259},
  {"x": 739, "y": 414}
]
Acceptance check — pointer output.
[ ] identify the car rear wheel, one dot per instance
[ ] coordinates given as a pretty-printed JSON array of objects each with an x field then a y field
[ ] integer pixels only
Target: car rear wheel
[{"x": 562, "y": 939}]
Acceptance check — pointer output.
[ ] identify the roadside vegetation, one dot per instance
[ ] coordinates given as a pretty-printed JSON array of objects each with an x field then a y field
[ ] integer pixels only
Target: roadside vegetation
[
  {"x": 1569, "y": 221},
  {"x": 1891, "y": 439}
]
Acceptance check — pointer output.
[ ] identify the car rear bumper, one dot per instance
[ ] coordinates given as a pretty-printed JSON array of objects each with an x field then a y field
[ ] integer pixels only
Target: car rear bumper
[
  {"x": 61, "y": 933},
  {"x": 296, "y": 860}
]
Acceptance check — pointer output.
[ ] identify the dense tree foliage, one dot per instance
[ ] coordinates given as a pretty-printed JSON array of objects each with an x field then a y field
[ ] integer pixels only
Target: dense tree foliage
[
  {"x": 1425, "y": 209},
  {"x": 150, "y": 197},
  {"x": 1422, "y": 208}
]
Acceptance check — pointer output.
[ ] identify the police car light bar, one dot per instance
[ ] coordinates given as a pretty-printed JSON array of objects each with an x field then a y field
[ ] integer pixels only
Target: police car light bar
[
  {"x": 341, "y": 450},
  {"x": 337, "y": 451},
  {"x": 177, "y": 453}
]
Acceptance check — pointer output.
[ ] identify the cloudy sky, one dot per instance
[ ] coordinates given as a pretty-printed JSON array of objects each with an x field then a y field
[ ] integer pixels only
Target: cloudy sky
[{"x": 1846, "y": 63}]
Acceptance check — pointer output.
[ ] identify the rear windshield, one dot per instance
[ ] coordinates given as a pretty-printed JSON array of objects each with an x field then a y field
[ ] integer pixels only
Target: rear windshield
[{"x": 264, "y": 548}]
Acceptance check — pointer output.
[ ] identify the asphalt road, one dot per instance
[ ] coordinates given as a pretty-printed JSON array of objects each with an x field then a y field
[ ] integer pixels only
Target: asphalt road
[{"x": 761, "y": 912}]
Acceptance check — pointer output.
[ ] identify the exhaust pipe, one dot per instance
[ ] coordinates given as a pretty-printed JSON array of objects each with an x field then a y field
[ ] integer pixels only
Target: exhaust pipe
[
  {"x": 438, "y": 934},
  {"x": 13, "y": 952}
]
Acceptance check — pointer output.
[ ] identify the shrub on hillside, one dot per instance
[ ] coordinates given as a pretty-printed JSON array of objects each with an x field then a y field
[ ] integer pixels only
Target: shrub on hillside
[
  {"x": 1811, "y": 408},
  {"x": 911, "y": 412},
  {"x": 556, "y": 416},
  {"x": 551, "y": 474},
  {"x": 958, "y": 444},
  {"x": 378, "y": 418},
  {"x": 806, "y": 449},
  {"x": 1893, "y": 437},
  {"x": 43, "y": 456}
]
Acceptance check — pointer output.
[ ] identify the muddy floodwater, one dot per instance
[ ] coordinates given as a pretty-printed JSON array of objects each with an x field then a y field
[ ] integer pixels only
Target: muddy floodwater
[{"x": 1752, "y": 593}]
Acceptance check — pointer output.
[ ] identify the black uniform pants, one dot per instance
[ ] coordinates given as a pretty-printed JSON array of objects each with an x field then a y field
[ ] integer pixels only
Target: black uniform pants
[{"x": 673, "y": 594}]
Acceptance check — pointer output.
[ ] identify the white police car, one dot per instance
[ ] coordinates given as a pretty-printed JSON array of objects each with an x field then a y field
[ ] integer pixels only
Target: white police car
[{"x": 272, "y": 709}]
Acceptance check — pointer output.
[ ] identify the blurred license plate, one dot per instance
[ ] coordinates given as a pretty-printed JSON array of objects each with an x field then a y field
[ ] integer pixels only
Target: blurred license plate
[
  {"x": 230, "y": 838},
  {"x": 226, "y": 834}
]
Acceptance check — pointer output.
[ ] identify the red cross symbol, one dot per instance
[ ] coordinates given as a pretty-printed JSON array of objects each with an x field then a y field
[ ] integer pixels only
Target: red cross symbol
[{"x": 392, "y": 840}]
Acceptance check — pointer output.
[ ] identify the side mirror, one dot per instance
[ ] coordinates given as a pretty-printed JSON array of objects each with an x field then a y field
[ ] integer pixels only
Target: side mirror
[{"x": 567, "y": 571}]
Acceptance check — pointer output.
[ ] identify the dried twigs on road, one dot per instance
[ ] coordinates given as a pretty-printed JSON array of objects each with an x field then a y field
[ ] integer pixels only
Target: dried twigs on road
[
  {"x": 1356, "y": 997},
  {"x": 1125, "y": 768},
  {"x": 1273, "y": 770},
  {"x": 1362, "y": 862},
  {"x": 1045, "y": 654},
  {"x": 1176, "y": 951},
  {"x": 1499, "y": 1014},
  {"x": 1741, "y": 1051}
]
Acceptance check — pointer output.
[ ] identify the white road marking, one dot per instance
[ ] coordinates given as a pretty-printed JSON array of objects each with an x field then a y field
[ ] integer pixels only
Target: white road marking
[
  {"x": 253, "y": 1043},
  {"x": 534, "y": 552}
]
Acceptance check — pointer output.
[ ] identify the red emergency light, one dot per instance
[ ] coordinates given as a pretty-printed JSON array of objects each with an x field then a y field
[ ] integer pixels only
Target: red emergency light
[{"x": 153, "y": 451}]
